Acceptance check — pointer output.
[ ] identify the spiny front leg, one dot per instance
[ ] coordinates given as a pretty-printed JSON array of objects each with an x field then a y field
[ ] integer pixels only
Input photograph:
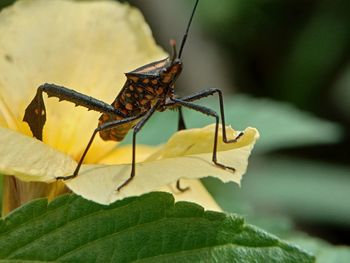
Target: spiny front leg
[{"x": 35, "y": 113}]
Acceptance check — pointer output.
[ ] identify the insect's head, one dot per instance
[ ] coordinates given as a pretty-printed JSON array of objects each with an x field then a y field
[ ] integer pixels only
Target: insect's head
[
  {"x": 166, "y": 70},
  {"x": 174, "y": 66}
]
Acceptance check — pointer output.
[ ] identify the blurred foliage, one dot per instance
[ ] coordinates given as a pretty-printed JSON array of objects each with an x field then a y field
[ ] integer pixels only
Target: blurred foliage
[
  {"x": 341, "y": 95},
  {"x": 291, "y": 50},
  {"x": 292, "y": 186},
  {"x": 324, "y": 252}
]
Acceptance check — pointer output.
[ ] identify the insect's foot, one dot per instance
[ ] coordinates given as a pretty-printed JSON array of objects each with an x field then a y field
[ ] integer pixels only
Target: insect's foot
[
  {"x": 124, "y": 184},
  {"x": 225, "y": 167},
  {"x": 236, "y": 138},
  {"x": 239, "y": 135},
  {"x": 181, "y": 189},
  {"x": 65, "y": 178}
]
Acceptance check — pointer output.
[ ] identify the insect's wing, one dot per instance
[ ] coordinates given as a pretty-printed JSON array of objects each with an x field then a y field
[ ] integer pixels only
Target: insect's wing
[{"x": 151, "y": 69}]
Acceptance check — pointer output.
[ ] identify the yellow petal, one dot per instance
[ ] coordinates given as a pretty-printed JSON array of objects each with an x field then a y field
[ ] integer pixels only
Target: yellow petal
[
  {"x": 86, "y": 46},
  {"x": 31, "y": 160},
  {"x": 99, "y": 182},
  {"x": 17, "y": 192},
  {"x": 123, "y": 154},
  {"x": 196, "y": 193}
]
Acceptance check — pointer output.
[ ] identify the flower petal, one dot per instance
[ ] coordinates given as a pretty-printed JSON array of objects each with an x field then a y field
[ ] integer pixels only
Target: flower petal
[
  {"x": 196, "y": 193},
  {"x": 188, "y": 154},
  {"x": 123, "y": 154},
  {"x": 31, "y": 160},
  {"x": 86, "y": 46}
]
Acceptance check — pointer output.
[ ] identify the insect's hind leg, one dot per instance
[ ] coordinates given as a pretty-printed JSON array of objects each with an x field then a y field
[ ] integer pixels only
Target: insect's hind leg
[
  {"x": 181, "y": 121},
  {"x": 35, "y": 113},
  {"x": 181, "y": 126},
  {"x": 209, "y": 92},
  {"x": 212, "y": 113}
]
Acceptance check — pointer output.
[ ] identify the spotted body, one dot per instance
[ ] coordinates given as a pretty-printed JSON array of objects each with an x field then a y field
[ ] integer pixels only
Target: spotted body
[{"x": 144, "y": 87}]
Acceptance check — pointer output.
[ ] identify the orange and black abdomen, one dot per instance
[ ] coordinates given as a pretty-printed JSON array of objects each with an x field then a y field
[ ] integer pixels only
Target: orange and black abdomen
[{"x": 137, "y": 97}]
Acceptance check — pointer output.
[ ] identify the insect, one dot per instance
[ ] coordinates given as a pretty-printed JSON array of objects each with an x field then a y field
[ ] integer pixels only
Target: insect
[{"x": 147, "y": 89}]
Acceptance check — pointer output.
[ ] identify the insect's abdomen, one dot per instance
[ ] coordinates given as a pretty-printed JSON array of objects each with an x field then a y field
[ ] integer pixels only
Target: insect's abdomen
[
  {"x": 137, "y": 97},
  {"x": 118, "y": 133}
]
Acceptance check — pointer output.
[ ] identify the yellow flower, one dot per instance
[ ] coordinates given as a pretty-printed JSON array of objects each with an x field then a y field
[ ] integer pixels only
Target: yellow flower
[{"x": 88, "y": 46}]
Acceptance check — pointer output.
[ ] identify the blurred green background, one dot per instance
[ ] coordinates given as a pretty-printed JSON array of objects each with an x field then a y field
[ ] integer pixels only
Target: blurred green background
[{"x": 284, "y": 67}]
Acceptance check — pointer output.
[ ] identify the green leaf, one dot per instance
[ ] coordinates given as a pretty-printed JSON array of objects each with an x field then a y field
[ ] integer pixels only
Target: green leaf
[
  {"x": 280, "y": 125},
  {"x": 151, "y": 228}
]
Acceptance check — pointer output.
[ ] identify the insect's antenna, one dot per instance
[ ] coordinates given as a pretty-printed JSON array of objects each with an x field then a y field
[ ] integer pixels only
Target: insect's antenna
[{"x": 187, "y": 29}]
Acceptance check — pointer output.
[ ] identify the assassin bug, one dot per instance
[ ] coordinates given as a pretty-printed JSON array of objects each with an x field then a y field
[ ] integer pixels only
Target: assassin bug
[{"x": 147, "y": 89}]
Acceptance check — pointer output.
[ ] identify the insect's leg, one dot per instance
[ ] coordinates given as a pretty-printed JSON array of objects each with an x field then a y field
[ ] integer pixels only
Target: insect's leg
[
  {"x": 212, "y": 113},
  {"x": 104, "y": 126},
  {"x": 136, "y": 129},
  {"x": 180, "y": 188},
  {"x": 181, "y": 122},
  {"x": 181, "y": 126},
  {"x": 209, "y": 92},
  {"x": 35, "y": 113}
]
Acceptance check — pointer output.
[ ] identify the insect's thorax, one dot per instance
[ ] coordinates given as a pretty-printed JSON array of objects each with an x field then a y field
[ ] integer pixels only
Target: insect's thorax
[
  {"x": 139, "y": 94},
  {"x": 146, "y": 85}
]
